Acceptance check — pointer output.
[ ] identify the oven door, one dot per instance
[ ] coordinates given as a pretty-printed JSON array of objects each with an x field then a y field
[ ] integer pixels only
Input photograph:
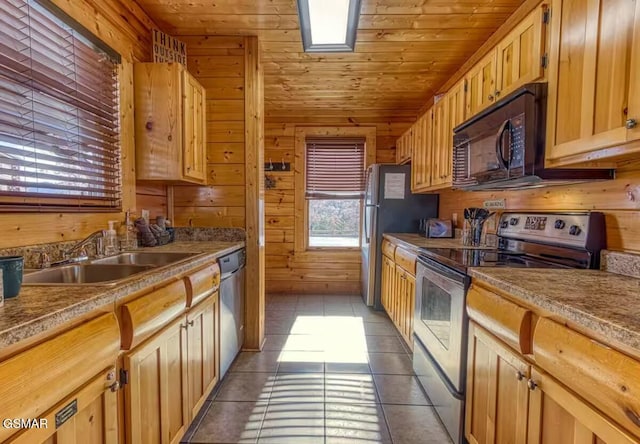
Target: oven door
[{"x": 440, "y": 321}]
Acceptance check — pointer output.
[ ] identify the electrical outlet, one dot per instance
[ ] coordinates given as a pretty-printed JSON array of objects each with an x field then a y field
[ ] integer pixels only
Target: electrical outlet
[{"x": 454, "y": 219}]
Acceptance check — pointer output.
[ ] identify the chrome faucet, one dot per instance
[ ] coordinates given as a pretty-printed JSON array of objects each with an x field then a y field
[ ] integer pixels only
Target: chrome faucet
[{"x": 78, "y": 253}]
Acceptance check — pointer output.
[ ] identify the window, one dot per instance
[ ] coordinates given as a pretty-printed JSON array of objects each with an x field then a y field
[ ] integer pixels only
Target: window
[
  {"x": 329, "y": 25},
  {"x": 334, "y": 191},
  {"x": 59, "y": 113}
]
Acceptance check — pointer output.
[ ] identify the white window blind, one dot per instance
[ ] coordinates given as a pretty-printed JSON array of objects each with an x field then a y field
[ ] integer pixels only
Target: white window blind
[
  {"x": 59, "y": 113},
  {"x": 335, "y": 168}
]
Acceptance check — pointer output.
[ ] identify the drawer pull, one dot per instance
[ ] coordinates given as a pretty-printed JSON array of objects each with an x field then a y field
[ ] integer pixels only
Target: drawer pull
[
  {"x": 115, "y": 386},
  {"x": 532, "y": 384},
  {"x": 631, "y": 123},
  {"x": 519, "y": 375}
]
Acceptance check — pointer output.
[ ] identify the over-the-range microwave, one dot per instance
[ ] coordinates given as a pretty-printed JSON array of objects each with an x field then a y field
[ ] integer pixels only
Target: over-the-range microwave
[{"x": 502, "y": 147}]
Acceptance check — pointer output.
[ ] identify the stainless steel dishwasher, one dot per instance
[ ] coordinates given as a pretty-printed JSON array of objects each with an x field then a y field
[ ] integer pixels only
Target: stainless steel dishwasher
[{"x": 231, "y": 307}]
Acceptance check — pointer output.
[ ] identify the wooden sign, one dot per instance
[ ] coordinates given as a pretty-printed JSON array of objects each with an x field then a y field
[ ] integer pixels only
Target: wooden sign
[{"x": 167, "y": 49}]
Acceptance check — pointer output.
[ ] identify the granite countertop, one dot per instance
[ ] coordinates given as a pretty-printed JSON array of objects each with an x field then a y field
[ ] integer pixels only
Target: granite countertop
[
  {"x": 40, "y": 308},
  {"x": 605, "y": 303},
  {"x": 415, "y": 241}
]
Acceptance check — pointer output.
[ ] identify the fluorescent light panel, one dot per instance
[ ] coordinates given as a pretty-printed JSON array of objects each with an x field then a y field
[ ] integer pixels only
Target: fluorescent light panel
[{"x": 329, "y": 25}]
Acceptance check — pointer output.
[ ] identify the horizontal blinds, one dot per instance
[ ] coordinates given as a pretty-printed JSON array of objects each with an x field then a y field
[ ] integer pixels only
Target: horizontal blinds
[
  {"x": 59, "y": 113},
  {"x": 335, "y": 168}
]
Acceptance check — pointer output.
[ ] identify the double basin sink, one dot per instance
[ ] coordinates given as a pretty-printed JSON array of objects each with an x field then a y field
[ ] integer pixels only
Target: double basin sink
[{"x": 105, "y": 271}]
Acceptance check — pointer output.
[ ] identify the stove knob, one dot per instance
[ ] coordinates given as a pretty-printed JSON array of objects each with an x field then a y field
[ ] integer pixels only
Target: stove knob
[
  {"x": 504, "y": 224},
  {"x": 574, "y": 230},
  {"x": 559, "y": 224},
  {"x": 514, "y": 221}
]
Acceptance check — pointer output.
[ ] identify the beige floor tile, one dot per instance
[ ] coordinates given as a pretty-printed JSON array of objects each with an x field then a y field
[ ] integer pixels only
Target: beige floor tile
[
  {"x": 390, "y": 363},
  {"x": 296, "y": 423},
  {"x": 384, "y": 344},
  {"x": 350, "y": 388},
  {"x": 298, "y": 388},
  {"x": 246, "y": 387},
  {"x": 400, "y": 389},
  {"x": 355, "y": 423},
  {"x": 379, "y": 329},
  {"x": 409, "y": 424},
  {"x": 226, "y": 422},
  {"x": 266, "y": 361}
]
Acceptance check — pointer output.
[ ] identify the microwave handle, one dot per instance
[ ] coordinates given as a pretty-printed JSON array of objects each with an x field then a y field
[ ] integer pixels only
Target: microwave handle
[{"x": 505, "y": 127}]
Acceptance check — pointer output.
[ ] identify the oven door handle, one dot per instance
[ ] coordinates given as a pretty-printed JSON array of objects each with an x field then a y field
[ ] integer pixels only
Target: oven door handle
[
  {"x": 443, "y": 271},
  {"x": 504, "y": 128}
]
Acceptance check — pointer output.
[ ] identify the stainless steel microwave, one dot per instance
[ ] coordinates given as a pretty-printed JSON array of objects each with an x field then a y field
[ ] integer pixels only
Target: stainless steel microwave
[{"x": 502, "y": 147}]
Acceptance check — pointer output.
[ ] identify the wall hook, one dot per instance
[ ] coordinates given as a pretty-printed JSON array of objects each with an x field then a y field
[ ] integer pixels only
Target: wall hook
[
  {"x": 284, "y": 167},
  {"x": 270, "y": 164}
]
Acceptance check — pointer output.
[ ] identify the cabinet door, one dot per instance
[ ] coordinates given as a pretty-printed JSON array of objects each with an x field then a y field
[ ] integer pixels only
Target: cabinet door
[
  {"x": 497, "y": 393},
  {"x": 410, "y": 296},
  {"x": 203, "y": 351},
  {"x": 155, "y": 411},
  {"x": 558, "y": 416},
  {"x": 387, "y": 284},
  {"x": 422, "y": 152},
  {"x": 520, "y": 54},
  {"x": 194, "y": 124},
  {"x": 95, "y": 419},
  {"x": 593, "y": 78},
  {"x": 440, "y": 159},
  {"x": 481, "y": 84}
]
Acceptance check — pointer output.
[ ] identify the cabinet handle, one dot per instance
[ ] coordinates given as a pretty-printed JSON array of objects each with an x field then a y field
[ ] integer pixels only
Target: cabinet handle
[
  {"x": 184, "y": 326},
  {"x": 115, "y": 386},
  {"x": 190, "y": 323},
  {"x": 631, "y": 123},
  {"x": 497, "y": 94},
  {"x": 519, "y": 375},
  {"x": 532, "y": 384},
  {"x": 490, "y": 97}
]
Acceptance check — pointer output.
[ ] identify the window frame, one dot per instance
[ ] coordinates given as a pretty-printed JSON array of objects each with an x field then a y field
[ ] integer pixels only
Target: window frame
[
  {"x": 35, "y": 203},
  {"x": 301, "y": 214}
]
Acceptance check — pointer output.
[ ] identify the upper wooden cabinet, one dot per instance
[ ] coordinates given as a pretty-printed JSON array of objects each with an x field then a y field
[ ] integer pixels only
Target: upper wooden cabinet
[
  {"x": 404, "y": 147},
  {"x": 594, "y": 86},
  {"x": 170, "y": 122},
  {"x": 421, "y": 159},
  {"x": 515, "y": 61}
]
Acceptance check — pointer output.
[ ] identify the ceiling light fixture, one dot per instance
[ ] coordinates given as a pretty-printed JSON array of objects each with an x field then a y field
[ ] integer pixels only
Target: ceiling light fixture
[{"x": 329, "y": 25}]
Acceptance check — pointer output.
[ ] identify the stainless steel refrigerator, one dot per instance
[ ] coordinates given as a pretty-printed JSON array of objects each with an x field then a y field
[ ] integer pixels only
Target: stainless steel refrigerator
[{"x": 389, "y": 207}]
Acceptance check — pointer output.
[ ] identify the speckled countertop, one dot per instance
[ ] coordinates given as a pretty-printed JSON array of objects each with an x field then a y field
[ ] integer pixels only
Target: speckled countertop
[
  {"x": 414, "y": 241},
  {"x": 605, "y": 303},
  {"x": 40, "y": 308}
]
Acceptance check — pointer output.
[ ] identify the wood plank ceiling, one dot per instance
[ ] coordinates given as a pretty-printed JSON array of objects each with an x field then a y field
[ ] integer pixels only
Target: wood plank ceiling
[{"x": 405, "y": 50}]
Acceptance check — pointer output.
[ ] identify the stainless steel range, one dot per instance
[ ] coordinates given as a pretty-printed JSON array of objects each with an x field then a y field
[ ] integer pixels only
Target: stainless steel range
[{"x": 530, "y": 240}]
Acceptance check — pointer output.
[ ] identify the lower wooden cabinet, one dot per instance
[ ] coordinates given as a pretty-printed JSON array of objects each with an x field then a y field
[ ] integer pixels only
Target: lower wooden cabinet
[
  {"x": 398, "y": 294},
  {"x": 170, "y": 375},
  {"x": 512, "y": 401},
  {"x": 89, "y": 415}
]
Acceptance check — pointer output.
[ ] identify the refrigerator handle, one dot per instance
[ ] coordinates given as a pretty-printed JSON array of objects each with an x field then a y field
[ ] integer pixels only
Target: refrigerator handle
[{"x": 367, "y": 177}]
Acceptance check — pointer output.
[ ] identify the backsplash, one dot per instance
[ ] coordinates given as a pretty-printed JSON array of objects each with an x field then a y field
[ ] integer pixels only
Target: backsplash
[
  {"x": 32, "y": 253},
  {"x": 620, "y": 263}
]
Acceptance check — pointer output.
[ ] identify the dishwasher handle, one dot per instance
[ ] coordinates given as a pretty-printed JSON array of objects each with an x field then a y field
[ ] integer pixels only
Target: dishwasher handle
[{"x": 229, "y": 274}]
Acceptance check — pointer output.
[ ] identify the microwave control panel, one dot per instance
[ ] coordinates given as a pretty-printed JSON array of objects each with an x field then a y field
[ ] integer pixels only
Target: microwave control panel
[{"x": 517, "y": 141}]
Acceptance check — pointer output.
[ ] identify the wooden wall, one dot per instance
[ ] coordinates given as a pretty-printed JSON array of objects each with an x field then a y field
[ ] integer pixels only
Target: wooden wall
[
  {"x": 619, "y": 199},
  {"x": 218, "y": 63},
  {"x": 321, "y": 272},
  {"x": 127, "y": 29}
]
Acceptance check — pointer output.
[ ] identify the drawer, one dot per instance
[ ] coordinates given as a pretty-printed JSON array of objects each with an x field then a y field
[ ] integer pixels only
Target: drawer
[
  {"x": 406, "y": 259},
  {"x": 202, "y": 283},
  {"x": 388, "y": 249},
  {"x": 35, "y": 380},
  {"x": 146, "y": 315},
  {"x": 604, "y": 377},
  {"x": 507, "y": 321}
]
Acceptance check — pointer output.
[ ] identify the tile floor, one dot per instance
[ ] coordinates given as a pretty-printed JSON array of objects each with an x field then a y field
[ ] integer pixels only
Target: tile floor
[{"x": 332, "y": 371}]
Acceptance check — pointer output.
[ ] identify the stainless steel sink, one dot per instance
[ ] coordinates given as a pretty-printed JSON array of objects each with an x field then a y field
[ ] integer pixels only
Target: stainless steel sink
[
  {"x": 145, "y": 258},
  {"x": 87, "y": 274}
]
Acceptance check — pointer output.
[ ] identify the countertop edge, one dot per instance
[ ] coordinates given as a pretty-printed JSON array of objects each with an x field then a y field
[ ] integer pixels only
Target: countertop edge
[{"x": 100, "y": 297}]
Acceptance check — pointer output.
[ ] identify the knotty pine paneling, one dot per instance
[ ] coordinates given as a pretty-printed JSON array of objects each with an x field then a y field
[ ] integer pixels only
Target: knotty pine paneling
[
  {"x": 321, "y": 272},
  {"x": 618, "y": 199},
  {"x": 125, "y": 27},
  {"x": 152, "y": 198},
  {"x": 218, "y": 64}
]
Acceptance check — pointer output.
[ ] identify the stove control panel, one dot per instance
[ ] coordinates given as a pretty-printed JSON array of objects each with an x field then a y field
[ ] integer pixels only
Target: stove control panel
[{"x": 568, "y": 229}]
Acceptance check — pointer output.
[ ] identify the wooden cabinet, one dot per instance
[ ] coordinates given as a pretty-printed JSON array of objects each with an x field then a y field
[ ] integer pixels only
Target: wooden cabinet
[
  {"x": 203, "y": 341},
  {"x": 594, "y": 87},
  {"x": 421, "y": 158},
  {"x": 574, "y": 390},
  {"x": 170, "y": 375},
  {"x": 481, "y": 84},
  {"x": 398, "y": 289},
  {"x": 521, "y": 54},
  {"x": 497, "y": 392},
  {"x": 157, "y": 380},
  {"x": 556, "y": 415},
  {"x": 170, "y": 124},
  {"x": 404, "y": 147}
]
